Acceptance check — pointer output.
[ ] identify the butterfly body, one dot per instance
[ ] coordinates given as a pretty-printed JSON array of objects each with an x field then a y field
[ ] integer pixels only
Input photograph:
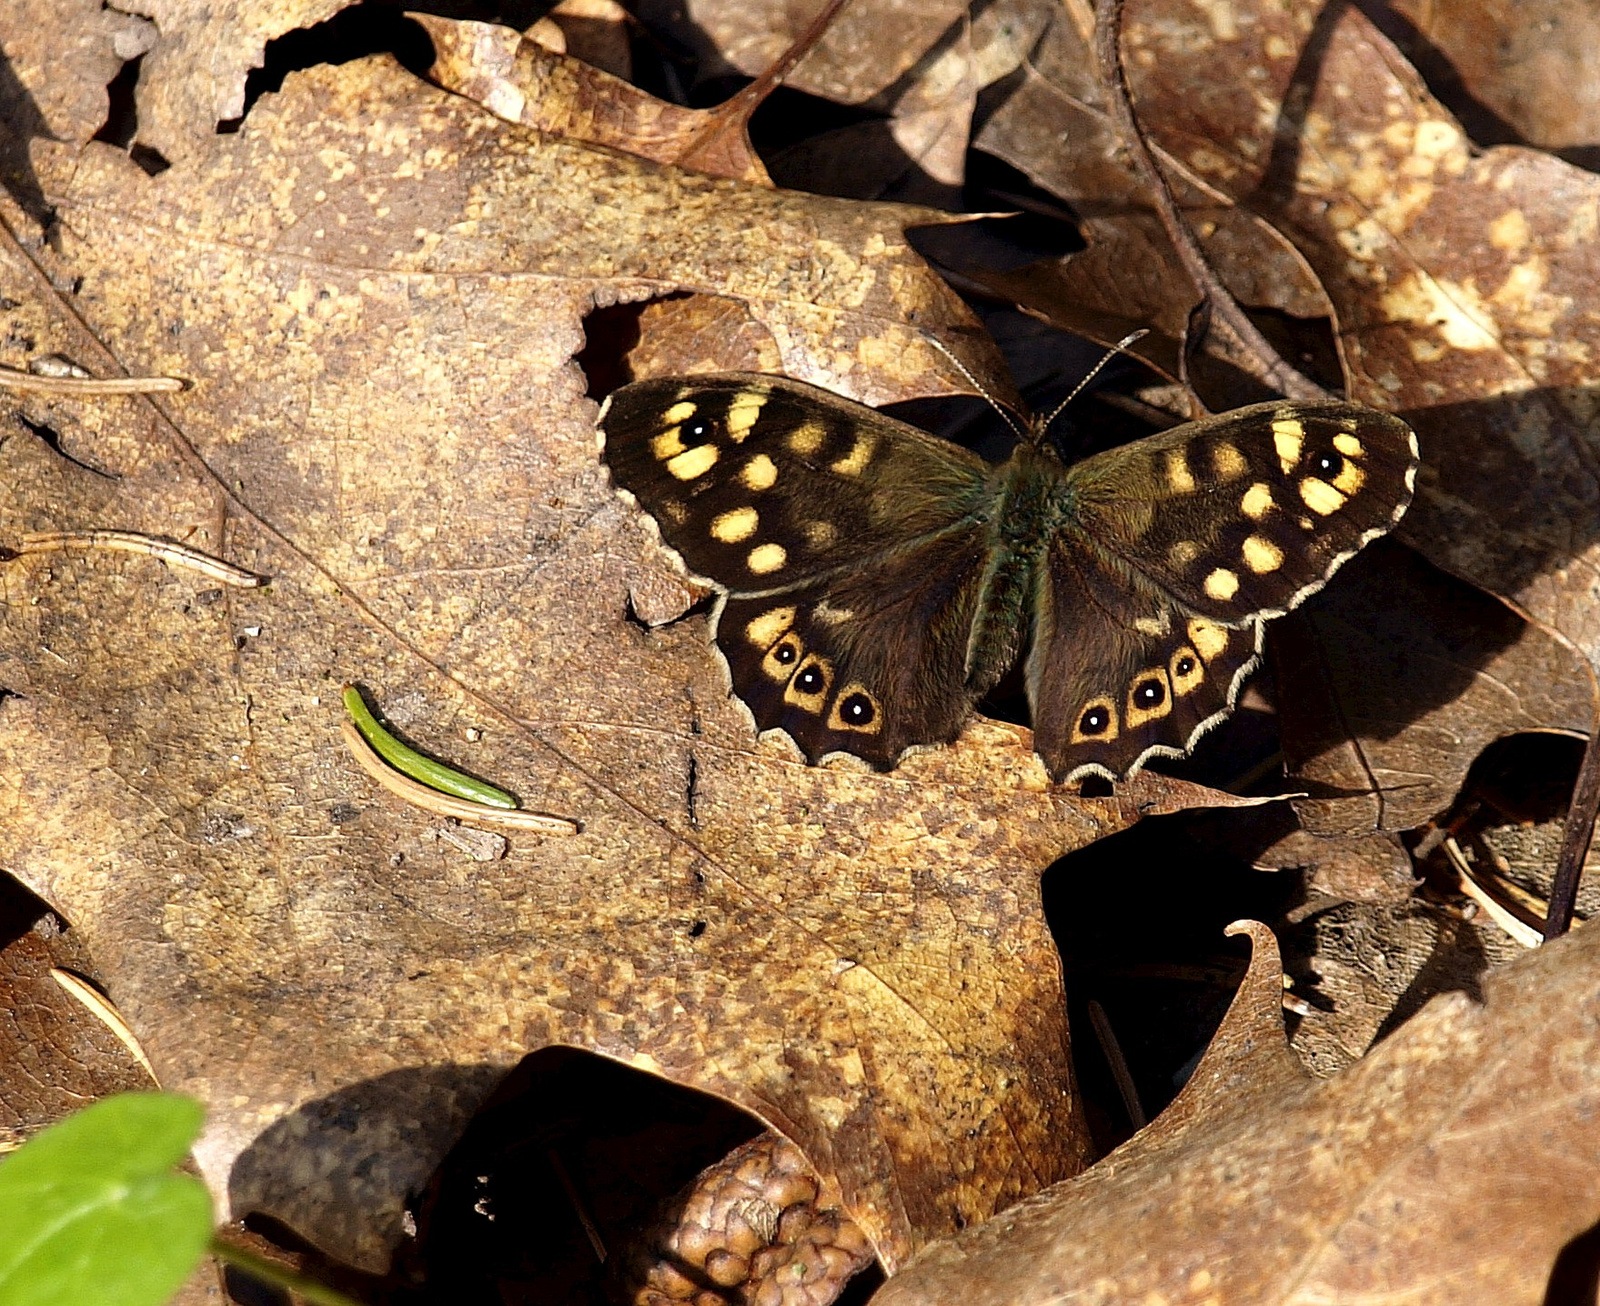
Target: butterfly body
[{"x": 875, "y": 582}]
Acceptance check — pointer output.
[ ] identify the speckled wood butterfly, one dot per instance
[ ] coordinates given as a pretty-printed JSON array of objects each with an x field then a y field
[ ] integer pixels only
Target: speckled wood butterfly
[{"x": 874, "y": 581}]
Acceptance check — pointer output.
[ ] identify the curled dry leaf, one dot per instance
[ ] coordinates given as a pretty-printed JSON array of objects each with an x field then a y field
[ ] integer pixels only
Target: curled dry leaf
[
  {"x": 1277, "y": 1188},
  {"x": 523, "y": 82}
]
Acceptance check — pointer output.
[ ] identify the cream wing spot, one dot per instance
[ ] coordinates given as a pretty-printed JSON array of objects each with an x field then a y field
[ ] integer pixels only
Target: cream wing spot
[
  {"x": 1181, "y": 554},
  {"x": 693, "y": 462},
  {"x": 735, "y": 525},
  {"x": 1257, "y": 501},
  {"x": 766, "y": 558},
  {"x": 1350, "y": 479},
  {"x": 1411, "y": 474},
  {"x": 760, "y": 473},
  {"x": 742, "y": 414},
  {"x": 806, "y": 439},
  {"x": 765, "y": 630},
  {"x": 1349, "y": 446},
  {"x": 1222, "y": 584},
  {"x": 1288, "y": 438},
  {"x": 855, "y": 462},
  {"x": 1179, "y": 478},
  {"x": 1155, "y": 627},
  {"x": 1228, "y": 462},
  {"x": 668, "y": 444},
  {"x": 1320, "y": 497},
  {"x": 820, "y": 534},
  {"x": 1207, "y": 637},
  {"x": 1261, "y": 555}
]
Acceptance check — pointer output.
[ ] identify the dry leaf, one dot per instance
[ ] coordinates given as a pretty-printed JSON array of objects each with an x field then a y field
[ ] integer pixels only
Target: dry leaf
[
  {"x": 1372, "y": 1184},
  {"x": 1393, "y": 682},
  {"x": 385, "y": 420}
]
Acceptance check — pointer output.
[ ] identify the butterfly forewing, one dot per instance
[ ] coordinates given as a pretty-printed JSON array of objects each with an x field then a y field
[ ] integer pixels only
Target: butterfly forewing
[
  {"x": 760, "y": 483},
  {"x": 1243, "y": 515}
]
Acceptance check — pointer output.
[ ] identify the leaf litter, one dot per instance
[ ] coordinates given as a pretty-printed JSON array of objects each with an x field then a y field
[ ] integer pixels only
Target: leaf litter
[{"x": 376, "y": 292}]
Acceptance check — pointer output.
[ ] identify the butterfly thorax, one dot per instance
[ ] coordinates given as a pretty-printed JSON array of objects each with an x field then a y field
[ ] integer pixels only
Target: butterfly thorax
[{"x": 1026, "y": 494}]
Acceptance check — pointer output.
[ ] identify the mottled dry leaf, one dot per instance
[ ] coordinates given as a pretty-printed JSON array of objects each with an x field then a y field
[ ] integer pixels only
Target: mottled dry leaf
[
  {"x": 1053, "y": 127},
  {"x": 522, "y": 81},
  {"x": 869, "y": 46},
  {"x": 55, "y": 1055},
  {"x": 1521, "y": 72},
  {"x": 377, "y": 292},
  {"x": 1393, "y": 681},
  {"x": 1451, "y": 1165}
]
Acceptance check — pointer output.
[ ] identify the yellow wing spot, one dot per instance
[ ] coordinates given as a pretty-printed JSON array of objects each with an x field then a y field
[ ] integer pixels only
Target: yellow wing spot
[
  {"x": 765, "y": 630},
  {"x": 855, "y": 462},
  {"x": 1351, "y": 479},
  {"x": 1097, "y": 723},
  {"x": 807, "y": 439},
  {"x": 1261, "y": 555},
  {"x": 1222, "y": 584},
  {"x": 1186, "y": 672},
  {"x": 1349, "y": 446},
  {"x": 820, "y": 534},
  {"x": 1228, "y": 462},
  {"x": 781, "y": 658},
  {"x": 1288, "y": 437},
  {"x": 1179, "y": 478},
  {"x": 743, "y": 413},
  {"x": 766, "y": 557},
  {"x": 1149, "y": 698},
  {"x": 1257, "y": 501},
  {"x": 679, "y": 413},
  {"x": 808, "y": 687},
  {"x": 735, "y": 525},
  {"x": 1182, "y": 553},
  {"x": 1320, "y": 497},
  {"x": 760, "y": 473},
  {"x": 667, "y": 444},
  {"x": 856, "y": 710},
  {"x": 1207, "y": 637},
  {"x": 693, "y": 462}
]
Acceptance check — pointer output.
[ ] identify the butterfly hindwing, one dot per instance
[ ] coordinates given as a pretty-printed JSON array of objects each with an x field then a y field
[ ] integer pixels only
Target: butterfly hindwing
[
  {"x": 868, "y": 663},
  {"x": 1178, "y": 548}
]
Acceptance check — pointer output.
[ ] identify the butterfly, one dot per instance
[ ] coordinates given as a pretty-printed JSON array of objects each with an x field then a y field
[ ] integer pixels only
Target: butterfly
[{"x": 874, "y": 582}]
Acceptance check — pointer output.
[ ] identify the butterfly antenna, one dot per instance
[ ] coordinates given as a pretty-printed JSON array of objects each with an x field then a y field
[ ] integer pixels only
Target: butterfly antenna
[
  {"x": 1011, "y": 421},
  {"x": 1121, "y": 347}
]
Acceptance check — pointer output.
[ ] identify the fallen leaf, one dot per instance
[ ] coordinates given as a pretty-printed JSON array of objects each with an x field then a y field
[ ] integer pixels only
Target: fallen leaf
[
  {"x": 1395, "y": 680},
  {"x": 1373, "y": 1183},
  {"x": 385, "y": 420}
]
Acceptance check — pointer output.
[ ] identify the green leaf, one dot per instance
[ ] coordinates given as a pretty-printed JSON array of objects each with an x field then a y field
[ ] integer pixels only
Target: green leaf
[{"x": 91, "y": 1212}]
